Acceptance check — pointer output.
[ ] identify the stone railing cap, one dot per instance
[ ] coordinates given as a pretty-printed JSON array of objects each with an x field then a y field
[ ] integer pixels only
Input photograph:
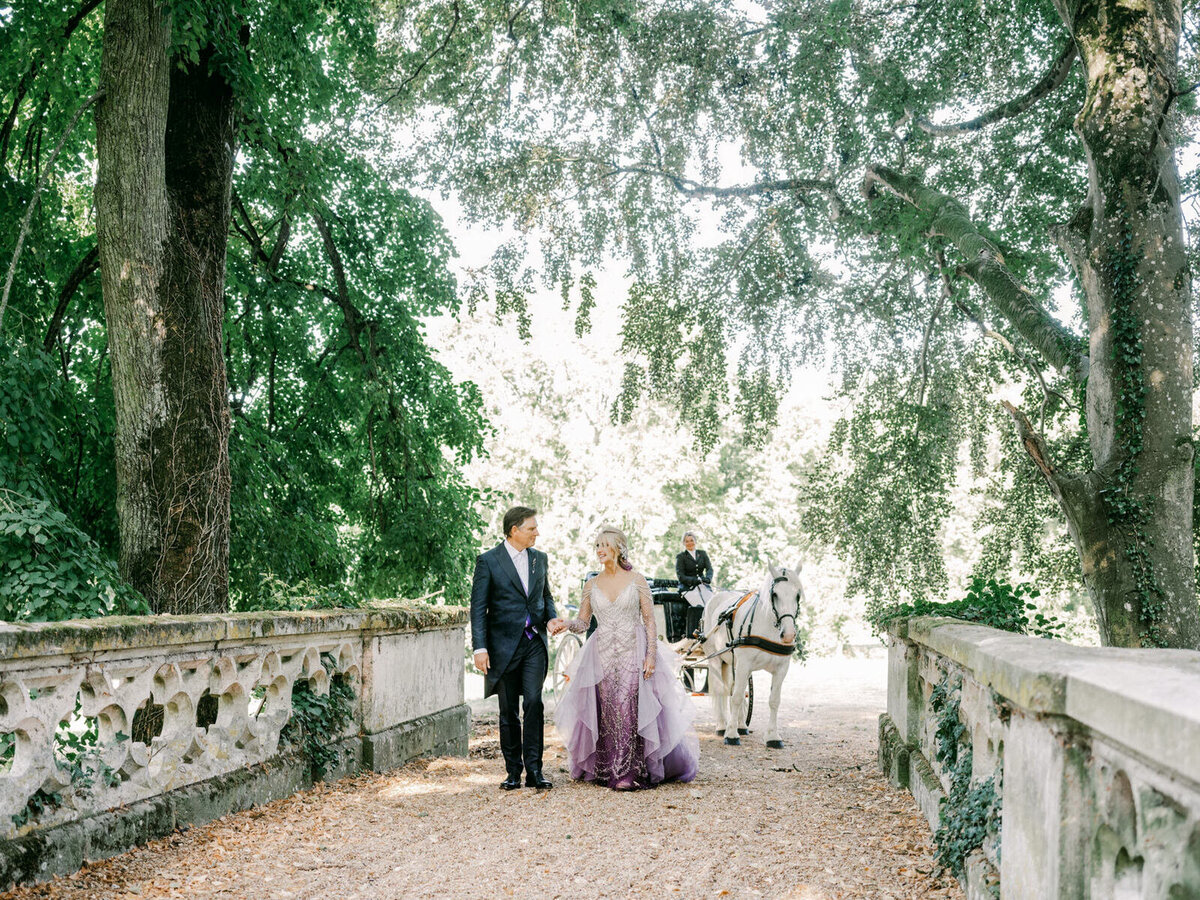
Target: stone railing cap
[
  {"x": 1148, "y": 700},
  {"x": 25, "y": 640}
]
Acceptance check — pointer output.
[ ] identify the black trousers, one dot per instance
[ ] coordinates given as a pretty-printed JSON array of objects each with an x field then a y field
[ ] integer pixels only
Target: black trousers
[{"x": 526, "y": 672}]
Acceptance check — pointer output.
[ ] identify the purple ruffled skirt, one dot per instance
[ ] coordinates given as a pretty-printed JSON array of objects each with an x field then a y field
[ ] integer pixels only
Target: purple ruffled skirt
[{"x": 622, "y": 730}]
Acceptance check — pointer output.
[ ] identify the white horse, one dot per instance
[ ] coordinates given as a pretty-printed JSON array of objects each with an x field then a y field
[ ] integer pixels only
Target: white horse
[{"x": 747, "y": 632}]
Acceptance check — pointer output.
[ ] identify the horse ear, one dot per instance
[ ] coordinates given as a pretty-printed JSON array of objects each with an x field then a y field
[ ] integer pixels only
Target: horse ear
[
  {"x": 800, "y": 565},
  {"x": 774, "y": 571}
]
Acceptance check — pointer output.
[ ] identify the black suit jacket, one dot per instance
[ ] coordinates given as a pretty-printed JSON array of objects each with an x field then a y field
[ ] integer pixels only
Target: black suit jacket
[
  {"x": 499, "y": 607},
  {"x": 691, "y": 572}
]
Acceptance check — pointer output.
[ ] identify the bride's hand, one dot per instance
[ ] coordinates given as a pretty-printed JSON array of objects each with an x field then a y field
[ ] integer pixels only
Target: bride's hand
[
  {"x": 554, "y": 626},
  {"x": 648, "y": 668}
]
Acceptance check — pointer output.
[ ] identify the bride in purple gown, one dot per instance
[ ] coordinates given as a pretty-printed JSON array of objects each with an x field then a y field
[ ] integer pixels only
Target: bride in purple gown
[{"x": 625, "y": 719}]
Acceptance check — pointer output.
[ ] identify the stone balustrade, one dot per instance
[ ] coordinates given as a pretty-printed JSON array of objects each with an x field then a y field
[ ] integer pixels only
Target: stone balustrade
[
  {"x": 1094, "y": 755},
  {"x": 117, "y": 730}
]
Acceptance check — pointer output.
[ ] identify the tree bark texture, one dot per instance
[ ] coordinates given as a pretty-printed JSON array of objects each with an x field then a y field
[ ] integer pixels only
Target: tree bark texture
[
  {"x": 1131, "y": 514},
  {"x": 1127, "y": 247},
  {"x": 193, "y": 470},
  {"x": 164, "y": 151}
]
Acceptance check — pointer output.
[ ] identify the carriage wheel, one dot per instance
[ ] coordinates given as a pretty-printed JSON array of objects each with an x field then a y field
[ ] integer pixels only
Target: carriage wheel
[{"x": 563, "y": 657}]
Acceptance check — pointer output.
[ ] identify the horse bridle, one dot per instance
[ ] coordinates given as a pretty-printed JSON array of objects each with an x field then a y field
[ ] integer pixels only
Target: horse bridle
[{"x": 782, "y": 576}]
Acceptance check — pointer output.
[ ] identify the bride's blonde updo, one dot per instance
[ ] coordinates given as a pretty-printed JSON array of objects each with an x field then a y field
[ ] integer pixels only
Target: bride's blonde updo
[{"x": 616, "y": 539}]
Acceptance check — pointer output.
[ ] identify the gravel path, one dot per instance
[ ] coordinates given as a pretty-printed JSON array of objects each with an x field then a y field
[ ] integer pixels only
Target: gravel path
[{"x": 814, "y": 821}]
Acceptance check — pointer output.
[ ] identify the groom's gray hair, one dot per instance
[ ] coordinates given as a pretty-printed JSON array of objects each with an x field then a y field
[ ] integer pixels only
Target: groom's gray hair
[
  {"x": 515, "y": 517},
  {"x": 689, "y": 534}
]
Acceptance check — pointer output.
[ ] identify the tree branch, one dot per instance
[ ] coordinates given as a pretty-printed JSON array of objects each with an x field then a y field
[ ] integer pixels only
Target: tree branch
[
  {"x": 355, "y": 324},
  {"x": 254, "y": 238},
  {"x": 1048, "y": 84},
  {"x": 985, "y": 266},
  {"x": 512, "y": 20},
  {"x": 85, "y": 267},
  {"x": 247, "y": 230},
  {"x": 991, "y": 334},
  {"x": 35, "y": 65},
  {"x": 694, "y": 188},
  {"x": 437, "y": 51},
  {"x": 37, "y": 190},
  {"x": 281, "y": 241},
  {"x": 641, "y": 108},
  {"x": 945, "y": 293},
  {"x": 1035, "y": 447}
]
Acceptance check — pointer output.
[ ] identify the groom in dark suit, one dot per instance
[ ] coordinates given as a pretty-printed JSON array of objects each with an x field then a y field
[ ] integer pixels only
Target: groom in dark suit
[{"x": 510, "y": 606}]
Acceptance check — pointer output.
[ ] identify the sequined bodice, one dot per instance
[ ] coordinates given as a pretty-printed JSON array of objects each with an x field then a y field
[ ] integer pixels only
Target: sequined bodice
[
  {"x": 618, "y": 619},
  {"x": 621, "y": 611}
]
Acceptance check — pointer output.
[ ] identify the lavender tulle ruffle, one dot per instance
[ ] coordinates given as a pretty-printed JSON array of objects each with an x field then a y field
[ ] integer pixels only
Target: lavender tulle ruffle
[{"x": 602, "y": 743}]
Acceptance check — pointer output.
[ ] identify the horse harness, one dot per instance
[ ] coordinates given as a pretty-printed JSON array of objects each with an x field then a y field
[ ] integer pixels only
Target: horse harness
[{"x": 744, "y": 638}]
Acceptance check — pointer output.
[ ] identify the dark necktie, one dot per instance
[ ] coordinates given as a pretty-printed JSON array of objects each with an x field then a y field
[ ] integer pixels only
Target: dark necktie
[{"x": 530, "y": 631}]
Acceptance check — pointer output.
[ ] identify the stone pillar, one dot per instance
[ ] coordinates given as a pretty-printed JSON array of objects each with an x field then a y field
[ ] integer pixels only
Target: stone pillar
[
  {"x": 898, "y": 726},
  {"x": 1043, "y": 831},
  {"x": 904, "y": 687},
  {"x": 412, "y": 696}
]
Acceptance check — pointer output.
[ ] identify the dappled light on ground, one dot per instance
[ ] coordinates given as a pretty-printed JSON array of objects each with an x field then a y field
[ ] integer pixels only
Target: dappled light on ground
[{"x": 814, "y": 821}]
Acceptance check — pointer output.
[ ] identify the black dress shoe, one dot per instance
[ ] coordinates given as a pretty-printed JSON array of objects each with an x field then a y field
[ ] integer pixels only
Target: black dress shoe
[
  {"x": 539, "y": 781},
  {"x": 511, "y": 783}
]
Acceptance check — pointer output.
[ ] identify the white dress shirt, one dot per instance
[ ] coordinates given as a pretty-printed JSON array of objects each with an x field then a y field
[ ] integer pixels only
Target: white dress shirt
[{"x": 520, "y": 559}]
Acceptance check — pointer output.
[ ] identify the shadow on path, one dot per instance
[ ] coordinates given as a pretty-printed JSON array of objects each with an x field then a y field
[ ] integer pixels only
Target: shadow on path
[{"x": 815, "y": 820}]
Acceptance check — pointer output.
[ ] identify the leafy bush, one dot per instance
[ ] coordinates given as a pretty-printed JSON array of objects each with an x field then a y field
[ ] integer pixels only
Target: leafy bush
[
  {"x": 49, "y": 569},
  {"x": 53, "y": 571},
  {"x": 275, "y": 595},
  {"x": 996, "y": 604},
  {"x": 318, "y": 721}
]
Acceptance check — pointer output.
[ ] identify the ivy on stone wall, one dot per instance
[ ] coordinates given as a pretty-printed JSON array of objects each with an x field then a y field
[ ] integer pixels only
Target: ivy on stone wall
[
  {"x": 319, "y": 721},
  {"x": 77, "y": 757},
  {"x": 970, "y": 812},
  {"x": 988, "y": 601},
  {"x": 317, "y": 724}
]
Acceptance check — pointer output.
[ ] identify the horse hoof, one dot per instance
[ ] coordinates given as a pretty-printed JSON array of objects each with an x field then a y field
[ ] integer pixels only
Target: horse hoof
[
  {"x": 743, "y": 731},
  {"x": 733, "y": 742},
  {"x": 775, "y": 745},
  {"x": 720, "y": 732}
]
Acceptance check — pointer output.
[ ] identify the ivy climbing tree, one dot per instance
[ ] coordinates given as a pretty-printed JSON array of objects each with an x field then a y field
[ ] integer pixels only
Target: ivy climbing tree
[{"x": 906, "y": 192}]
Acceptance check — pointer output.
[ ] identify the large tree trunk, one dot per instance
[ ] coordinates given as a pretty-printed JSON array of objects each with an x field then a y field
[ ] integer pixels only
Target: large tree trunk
[
  {"x": 131, "y": 226},
  {"x": 193, "y": 464},
  {"x": 164, "y": 151},
  {"x": 1132, "y": 515}
]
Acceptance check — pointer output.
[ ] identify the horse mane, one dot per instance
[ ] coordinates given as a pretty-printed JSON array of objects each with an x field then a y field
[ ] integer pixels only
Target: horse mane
[{"x": 764, "y": 589}]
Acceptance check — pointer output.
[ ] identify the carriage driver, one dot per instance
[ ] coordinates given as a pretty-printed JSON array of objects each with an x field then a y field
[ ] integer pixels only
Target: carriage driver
[{"x": 694, "y": 571}]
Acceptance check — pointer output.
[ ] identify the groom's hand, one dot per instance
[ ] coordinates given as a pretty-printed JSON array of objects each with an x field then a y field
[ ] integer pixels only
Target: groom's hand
[{"x": 482, "y": 663}]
